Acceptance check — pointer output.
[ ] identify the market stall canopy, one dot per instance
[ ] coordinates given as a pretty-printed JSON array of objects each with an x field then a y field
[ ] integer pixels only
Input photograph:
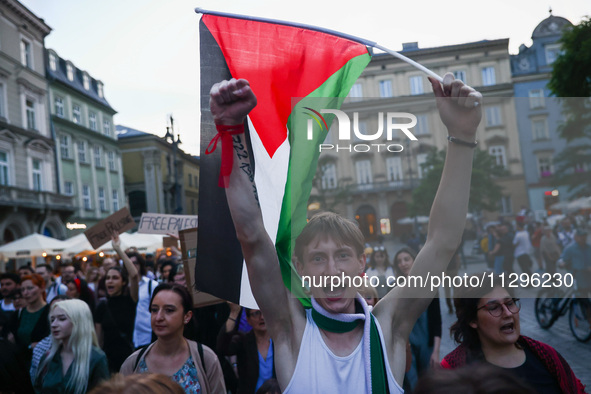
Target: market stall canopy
[
  {"x": 31, "y": 246},
  {"x": 144, "y": 243},
  {"x": 77, "y": 244}
]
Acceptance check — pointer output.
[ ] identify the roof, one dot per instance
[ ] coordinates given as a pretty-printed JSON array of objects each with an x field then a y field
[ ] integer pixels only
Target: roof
[
  {"x": 551, "y": 26},
  {"x": 128, "y": 132},
  {"x": 415, "y": 49},
  {"x": 77, "y": 84}
]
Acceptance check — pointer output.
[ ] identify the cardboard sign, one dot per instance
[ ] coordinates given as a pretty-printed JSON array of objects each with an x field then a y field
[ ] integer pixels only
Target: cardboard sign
[
  {"x": 161, "y": 223},
  {"x": 169, "y": 242},
  {"x": 100, "y": 233},
  {"x": 189, "y": 252}
]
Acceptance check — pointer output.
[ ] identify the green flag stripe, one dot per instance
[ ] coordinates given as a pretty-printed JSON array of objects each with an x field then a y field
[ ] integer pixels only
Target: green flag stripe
[{"x": 303, "y": 161}]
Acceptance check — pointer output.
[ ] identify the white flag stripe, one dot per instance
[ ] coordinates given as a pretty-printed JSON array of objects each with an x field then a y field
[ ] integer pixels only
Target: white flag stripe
[{"x": 270, "y": 178}]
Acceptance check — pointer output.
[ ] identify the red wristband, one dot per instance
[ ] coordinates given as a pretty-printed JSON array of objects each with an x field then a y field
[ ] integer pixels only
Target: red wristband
[{"x": 225, "y": 133}]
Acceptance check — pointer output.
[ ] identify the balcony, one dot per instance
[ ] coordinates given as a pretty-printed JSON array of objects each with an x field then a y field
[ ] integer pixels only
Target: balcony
[
  {"x": 11, "y": 196},
  {"x": 365, "y": 188}
]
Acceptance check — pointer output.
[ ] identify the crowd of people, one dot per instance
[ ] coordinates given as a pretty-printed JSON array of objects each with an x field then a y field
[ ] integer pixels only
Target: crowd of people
[{"x": 128, "y": 322}]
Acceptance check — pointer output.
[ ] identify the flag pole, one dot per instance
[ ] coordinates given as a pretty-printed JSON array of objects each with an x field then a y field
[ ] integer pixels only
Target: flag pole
[{"x": 327, "y": 31}]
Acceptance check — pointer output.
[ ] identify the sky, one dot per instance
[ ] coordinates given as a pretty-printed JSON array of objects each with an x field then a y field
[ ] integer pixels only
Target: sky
[{"x": 146, "y": 52}]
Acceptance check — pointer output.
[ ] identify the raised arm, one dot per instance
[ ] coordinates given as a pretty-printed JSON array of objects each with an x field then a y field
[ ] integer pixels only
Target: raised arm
[
  {"x": 230, "y": 103},
  {"x": 461, "y": 116},
  {"x": 134, "y": 276}
]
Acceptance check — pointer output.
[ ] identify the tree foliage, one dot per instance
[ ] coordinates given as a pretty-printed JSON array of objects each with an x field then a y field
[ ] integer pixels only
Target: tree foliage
[
  {"x": 571, "y": 79},
  {"x": 485, "y": 194},
  {"x": 571, "y": 168}
]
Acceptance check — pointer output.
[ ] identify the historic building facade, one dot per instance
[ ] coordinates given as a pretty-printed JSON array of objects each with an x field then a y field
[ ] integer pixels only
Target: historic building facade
[
  {"x": 538, "y": 115},
  {"x": 88, "y": 157},
  {"x": 374, "y": 185},
  {"x": 29, "y": 194},
  {"x": 159, "y": 176}
]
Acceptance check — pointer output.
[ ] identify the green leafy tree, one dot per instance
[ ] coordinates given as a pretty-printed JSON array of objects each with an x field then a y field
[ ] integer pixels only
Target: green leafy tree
[
  {"x": 485, "y": 194},
  {"x": 571, "y": 80}
]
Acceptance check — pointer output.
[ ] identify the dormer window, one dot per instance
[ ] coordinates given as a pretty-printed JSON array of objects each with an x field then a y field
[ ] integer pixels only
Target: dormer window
[
  {"x": 86, "y": 81},
  {"x": 100, "y": 89},
  {"x": 52, "y": 62},
  {"x": 70, "y": 72}
]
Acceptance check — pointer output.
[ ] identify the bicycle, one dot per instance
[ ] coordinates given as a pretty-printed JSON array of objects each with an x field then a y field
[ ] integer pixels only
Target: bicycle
[{"x": 553, "y": 303}]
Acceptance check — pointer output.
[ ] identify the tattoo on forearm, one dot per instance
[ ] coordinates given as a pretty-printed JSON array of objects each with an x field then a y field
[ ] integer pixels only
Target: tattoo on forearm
[{"x": 245, "y": 166}]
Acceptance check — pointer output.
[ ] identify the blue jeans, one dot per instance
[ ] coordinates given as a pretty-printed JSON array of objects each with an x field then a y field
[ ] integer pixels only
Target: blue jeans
[{"x": 499, "y": 260}]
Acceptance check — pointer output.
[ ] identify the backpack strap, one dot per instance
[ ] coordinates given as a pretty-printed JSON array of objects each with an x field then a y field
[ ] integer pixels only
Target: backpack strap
[{"x": 139, "y": 356}]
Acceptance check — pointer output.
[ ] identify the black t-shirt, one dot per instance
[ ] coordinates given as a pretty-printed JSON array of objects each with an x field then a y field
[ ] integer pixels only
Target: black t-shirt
[
  {"x": 116, "y": 316},
  {"x": 534, "y": 373}
]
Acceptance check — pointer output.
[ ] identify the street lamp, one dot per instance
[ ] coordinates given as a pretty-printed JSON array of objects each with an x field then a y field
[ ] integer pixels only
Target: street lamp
[{"x": 176, "y": 188}]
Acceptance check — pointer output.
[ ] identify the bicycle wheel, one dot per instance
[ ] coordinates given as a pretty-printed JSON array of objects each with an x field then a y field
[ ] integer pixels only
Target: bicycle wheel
[
  {"x": 580, "y": 319},
  {"x": 546, "y": 307}
]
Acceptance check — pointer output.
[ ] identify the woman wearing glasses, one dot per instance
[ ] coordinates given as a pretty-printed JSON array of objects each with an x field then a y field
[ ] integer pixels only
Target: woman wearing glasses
[{"x": 488, "y": 331}]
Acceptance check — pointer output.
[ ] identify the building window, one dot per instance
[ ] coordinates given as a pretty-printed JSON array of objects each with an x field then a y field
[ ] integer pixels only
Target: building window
[
  {"x": 59, "y": 106},
  {"x": 26, "y": 55},
  {"x": 488, "y": 76},
  {"x": 539, "y": 129},
  {"x": 70, "y": 71},
  {"x": 101, "y": 199},
  {"x": 421, "y": 159},
  {"x": 545, "y": 166},
  {"x": 111, "y": 157},
  {"x": 2, "y": 101},
  {"x": 196, "y": 179},
  {"x": 394, "y": 169},
  {"x": 364, "y": 175},
  {"x": 86, "y": 81},
  {"x": 107, "y": 128},
  {"x": 536, "y": 98},
  {"x": 92, "y": 121},
  {"x": 65, "y": 146},
  {"x": 498, "y": 153},
  {"x": 115, "y": 200},
  {"x": 506, "y": 207},
  {"x": 493, "y": 115},
  {"x": 461, "y": 75},
  {"x": 68, "y": 188},
  {"x": 100, "y": 89},
  {"x": 416, "y": 84},
  {"x": 98, "y": 156},
  {"x": 329, "y": 176},
  {"x": 86, "y": 201},
  {"x": 52, "y": 62},
  {"x": 37, "y": 175},
  {"x": 76, "y": 114},
  {"x": 422, "y": 126},
  {"x": 4, "y": 169},
  {"x": 386, "y": 88},
  {"x": 190, "y": 180},
  {"x": 81, "y": 151},
  {"x": 552, "y": 52},
  {"x": 356, "y": 92},
  {"x": 30, "y": 110}
]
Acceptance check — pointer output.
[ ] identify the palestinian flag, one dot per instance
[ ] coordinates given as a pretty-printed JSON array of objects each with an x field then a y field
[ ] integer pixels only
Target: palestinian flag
[{"x": 295, "y": 72}]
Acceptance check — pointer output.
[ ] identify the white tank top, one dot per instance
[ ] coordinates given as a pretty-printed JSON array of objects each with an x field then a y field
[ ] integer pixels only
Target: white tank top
[{"x": 319, "y": 370}]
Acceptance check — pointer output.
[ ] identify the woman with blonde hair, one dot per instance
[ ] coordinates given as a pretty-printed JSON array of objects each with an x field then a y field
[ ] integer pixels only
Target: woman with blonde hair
[{"x": 74, "y": 363}]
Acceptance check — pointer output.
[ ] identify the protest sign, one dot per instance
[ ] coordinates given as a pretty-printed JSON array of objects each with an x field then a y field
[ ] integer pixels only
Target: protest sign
[
  {"x": 188, "y": 240},
  {"x": 101, "y": 232},
  {"x": 161, "y": 223}
]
